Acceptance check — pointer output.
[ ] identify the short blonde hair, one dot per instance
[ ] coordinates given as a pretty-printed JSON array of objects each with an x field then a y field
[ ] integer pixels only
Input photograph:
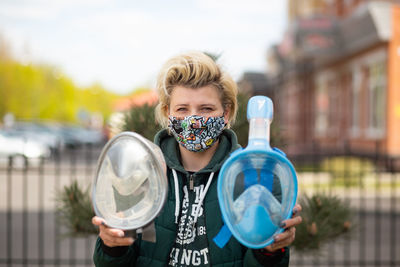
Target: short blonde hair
[{"x": 194, "y": 70}]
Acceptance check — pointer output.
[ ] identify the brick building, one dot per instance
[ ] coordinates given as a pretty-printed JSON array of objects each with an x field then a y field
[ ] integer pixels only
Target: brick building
[{"x": 335, "y": 77}]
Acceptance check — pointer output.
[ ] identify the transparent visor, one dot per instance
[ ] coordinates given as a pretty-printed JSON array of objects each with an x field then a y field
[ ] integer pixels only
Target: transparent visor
[
  {"x": 254, "y": 196},
  {"x": 256, "y": 188},
  {"x": 130, "y": 185}
]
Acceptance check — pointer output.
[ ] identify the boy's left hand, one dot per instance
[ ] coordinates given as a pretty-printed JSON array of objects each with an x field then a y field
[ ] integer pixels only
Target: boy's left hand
[{"x": 287, "y": 237}]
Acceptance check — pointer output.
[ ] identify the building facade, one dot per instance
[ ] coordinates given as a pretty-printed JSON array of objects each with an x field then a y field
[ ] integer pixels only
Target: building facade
[{"x": 335, "y": 77}]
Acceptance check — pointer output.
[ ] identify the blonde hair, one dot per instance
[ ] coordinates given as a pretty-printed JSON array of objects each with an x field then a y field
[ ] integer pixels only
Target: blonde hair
[{"x": 194, "y": 70}]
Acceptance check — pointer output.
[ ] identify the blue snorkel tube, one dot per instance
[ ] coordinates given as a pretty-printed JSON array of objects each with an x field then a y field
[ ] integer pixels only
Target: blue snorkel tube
[{"x": 257, "y": 186}]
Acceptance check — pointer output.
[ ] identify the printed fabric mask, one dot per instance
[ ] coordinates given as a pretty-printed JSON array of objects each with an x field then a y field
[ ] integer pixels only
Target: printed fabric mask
[{"x": 196, "y": 133}]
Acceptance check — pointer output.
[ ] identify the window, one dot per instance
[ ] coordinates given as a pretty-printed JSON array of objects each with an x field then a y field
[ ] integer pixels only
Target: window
[
  {"x": 322, "y": 110},
  {"x": 334, "y": 104},
  {"x": 376, "y": 100},
  {"x": 355, "y": 101}
]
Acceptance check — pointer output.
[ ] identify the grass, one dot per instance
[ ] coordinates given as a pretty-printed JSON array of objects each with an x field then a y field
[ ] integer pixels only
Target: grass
[{"x": 347, "y": 172}]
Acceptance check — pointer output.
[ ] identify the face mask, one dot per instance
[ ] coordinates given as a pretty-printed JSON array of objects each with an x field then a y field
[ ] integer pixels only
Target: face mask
[{"x": 196, "y": 133}]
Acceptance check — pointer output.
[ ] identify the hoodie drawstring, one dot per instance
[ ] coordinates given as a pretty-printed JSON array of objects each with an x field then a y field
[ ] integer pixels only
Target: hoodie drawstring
[
  {"x": 177, "y": 199},
  {"x": 202, "y": 196}
]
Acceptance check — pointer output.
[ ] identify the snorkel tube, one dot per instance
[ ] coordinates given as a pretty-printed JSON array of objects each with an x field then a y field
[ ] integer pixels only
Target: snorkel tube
[{"x": 257, "y": 186}]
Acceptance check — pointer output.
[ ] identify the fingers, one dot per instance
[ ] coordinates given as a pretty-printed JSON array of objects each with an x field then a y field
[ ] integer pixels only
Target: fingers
[
  {"x": 296, "y": 218},
  {"x": 291, "y": 222},
  {"x": 284, "y": 239},
  {"x": 111, "y": 237},
  {"x": 296, "y": 209},
  {"x": 98, "y": 221},
  {"x": 287, "y": 237}
]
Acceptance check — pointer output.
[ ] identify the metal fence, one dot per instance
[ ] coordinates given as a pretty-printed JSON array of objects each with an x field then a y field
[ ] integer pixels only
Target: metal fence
[
  {"x": 31, "y": 236},
  {"x": 370, "y": 185}
]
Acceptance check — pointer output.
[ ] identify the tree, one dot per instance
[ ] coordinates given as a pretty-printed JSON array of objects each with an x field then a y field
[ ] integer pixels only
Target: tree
[
  {"x": 141, "y": 119},
  {"x": 241, "y": 126}
]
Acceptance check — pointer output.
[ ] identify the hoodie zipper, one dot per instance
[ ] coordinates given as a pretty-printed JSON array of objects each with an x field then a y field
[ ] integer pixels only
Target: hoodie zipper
[{"x": 191, "y": 182}]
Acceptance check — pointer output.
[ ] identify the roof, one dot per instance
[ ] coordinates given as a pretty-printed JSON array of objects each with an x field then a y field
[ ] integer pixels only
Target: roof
[{"x": 138, "y": 99}]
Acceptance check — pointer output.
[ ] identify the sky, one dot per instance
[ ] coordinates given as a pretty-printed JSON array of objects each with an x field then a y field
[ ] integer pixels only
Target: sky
[{"x": 122, "y": 44}]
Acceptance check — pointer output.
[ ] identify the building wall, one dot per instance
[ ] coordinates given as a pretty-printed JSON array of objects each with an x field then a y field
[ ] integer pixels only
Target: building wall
[
  {"x": 292, "y": 98},
  {"x": 350, "y": 99},
  {"x": 393, "y": 97},
  {"x": 305, "y": 8},
  {"x": 336, "y": 8},
  {"x": 342, "y": 8}
]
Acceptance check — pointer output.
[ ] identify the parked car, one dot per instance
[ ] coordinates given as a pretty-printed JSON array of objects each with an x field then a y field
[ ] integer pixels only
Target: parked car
[
  {"x": 39, "y": 132},
  {"x": 56, "y": 135},
  {"x": 75, "y": 136},
  {"x": 21, "y": 150},
  {"x": 89, "y": 136}
]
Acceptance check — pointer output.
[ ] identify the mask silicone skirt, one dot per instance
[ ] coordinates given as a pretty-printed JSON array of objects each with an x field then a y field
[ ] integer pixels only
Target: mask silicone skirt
[{"x": 130, "y": 185}]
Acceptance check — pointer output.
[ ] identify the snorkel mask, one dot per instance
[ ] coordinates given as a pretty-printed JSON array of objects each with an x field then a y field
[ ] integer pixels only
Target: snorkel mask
[
  {"x": 130, "y": 185},
  {"x": 250, "y": 179}
]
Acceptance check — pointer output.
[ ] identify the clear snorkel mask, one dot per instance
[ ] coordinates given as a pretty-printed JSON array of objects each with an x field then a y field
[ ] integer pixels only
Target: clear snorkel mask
[
  {"x": 130, "y": 185},
  {"x": 250, "y": 178}
]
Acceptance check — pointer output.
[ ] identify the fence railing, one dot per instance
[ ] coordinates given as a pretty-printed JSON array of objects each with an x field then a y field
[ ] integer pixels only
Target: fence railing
[
  {"x": 30, "y": 234},
  {"x": 371, "y": 187}
]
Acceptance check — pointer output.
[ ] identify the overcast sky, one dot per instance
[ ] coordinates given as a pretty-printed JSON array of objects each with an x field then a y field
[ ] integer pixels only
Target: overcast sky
[{"x": 123, "y": 43}]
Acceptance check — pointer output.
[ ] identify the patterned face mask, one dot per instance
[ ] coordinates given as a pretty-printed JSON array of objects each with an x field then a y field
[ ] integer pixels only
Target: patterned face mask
[{"x": 196, "y": 133}]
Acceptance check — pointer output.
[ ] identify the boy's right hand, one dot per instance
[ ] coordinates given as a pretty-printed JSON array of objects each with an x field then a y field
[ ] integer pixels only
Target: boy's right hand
[{"x": 111, "y": 237}]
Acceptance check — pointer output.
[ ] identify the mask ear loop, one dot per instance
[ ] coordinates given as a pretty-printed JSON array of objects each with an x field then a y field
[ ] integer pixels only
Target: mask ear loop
[{"x": 227, "y": 119}]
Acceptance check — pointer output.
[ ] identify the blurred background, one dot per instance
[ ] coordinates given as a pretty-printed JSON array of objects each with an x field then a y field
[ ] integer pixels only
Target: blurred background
[{"x": 75, "y": 73}]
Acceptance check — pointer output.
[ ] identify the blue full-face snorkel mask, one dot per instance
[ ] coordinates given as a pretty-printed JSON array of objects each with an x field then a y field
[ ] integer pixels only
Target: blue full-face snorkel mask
[{"x": 257, "y": 186}]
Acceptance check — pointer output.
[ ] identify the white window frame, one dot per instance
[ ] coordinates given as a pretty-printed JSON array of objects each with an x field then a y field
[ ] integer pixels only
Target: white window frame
[{"x": 376, "y": 130}]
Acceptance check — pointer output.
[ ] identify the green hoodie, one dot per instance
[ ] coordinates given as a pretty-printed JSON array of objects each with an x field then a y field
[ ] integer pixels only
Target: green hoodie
[{"x": 184, "y": 238}]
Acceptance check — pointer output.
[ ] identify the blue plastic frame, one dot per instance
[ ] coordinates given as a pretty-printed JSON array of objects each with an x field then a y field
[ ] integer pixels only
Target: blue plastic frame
[{"x": 257, "y": 146}]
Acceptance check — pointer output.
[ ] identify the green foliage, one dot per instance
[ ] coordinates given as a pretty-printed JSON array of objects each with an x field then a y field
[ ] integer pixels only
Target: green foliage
[
  {"x": 241, "y": 126},
  {"x": 276, "y": 137},
  {"x": 347, "y": 171},
  {"x": 74, "y": 210},
  {"x": 141, "y": 119},
  {"x": 32, "y": 91},
  {"x": 325, "y": 218}
]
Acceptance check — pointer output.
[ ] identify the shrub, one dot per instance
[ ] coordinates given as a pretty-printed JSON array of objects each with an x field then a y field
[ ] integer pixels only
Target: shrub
[
  {"x": 347, "y": 171},
  {"x": 141, "y": 120},
  {"x": 325, "y": 218},
  {"x": 74, "y": 210},
  {"x": 241, "y": 126}
]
